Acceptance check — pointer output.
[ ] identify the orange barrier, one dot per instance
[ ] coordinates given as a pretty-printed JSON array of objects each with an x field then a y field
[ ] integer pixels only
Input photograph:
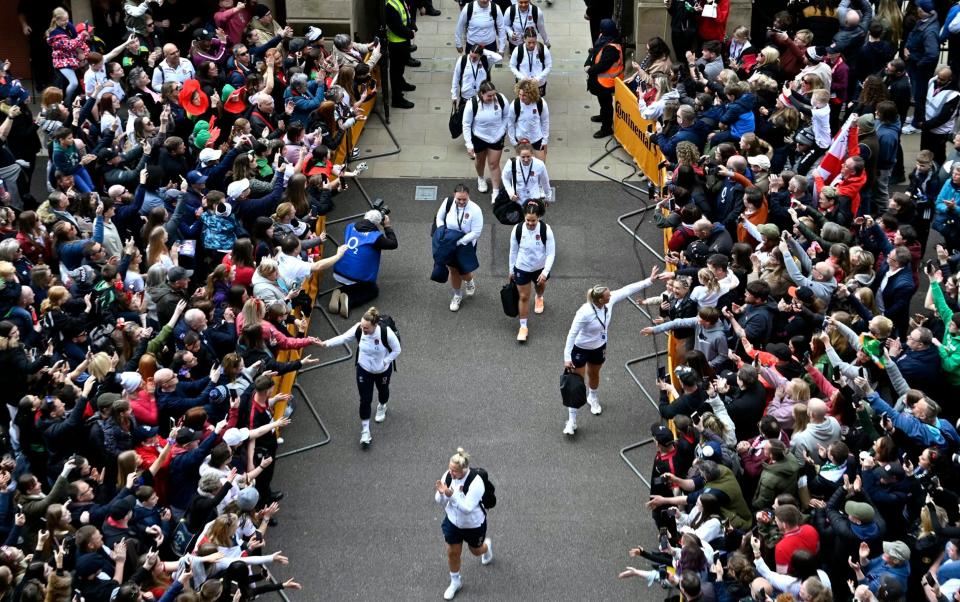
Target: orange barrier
[{"x": 311, "y": 286}]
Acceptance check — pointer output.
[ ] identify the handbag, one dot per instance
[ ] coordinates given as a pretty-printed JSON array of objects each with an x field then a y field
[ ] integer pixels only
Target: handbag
[
  {"x": 709, "y": 11},
  {"x": 456, "y": 120},
  {"x": 506, "y": 210},
  {"x": 510, "y": 299},
  {"x": 572, "y": 389}
]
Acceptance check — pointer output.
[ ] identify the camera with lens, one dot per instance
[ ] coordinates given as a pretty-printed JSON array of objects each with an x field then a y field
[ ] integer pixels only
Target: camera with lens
[
  {"x": 379, "y": 205},
  {"x": 711, "y": 170}
]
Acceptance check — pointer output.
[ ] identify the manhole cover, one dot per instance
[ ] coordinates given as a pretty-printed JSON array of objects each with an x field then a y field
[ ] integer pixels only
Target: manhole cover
[{"x": 425, "y": 193}]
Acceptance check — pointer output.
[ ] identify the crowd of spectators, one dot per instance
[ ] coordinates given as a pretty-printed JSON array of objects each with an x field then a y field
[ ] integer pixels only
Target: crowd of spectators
[
  {"x": 146, "y": 300},
  {"x": 807, "y": 450}
]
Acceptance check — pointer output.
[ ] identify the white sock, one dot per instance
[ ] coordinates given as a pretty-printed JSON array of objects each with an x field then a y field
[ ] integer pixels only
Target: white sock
[
  {"x": 455, "y": 577},
  {"x": 572, "y": 414},
  {"x": 457, "y": 293},
  {"x": 523, "y": 322},
  {"x": 539, "y": 296},
  {"x": 496, "y": 191},
  {"x": 592, "y": 394},
  {"x": 365, "y": 425}
]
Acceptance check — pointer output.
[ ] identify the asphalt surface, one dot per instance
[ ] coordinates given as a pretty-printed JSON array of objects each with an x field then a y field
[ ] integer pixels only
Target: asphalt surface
[{"x": 362, "y": 524}]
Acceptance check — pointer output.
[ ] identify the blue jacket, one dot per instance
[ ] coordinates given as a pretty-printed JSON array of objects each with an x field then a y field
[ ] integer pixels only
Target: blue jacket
[
  {"x": 248, "y": 210},
  {"x": 944, "y": 32},
  {"x": 187, "y": 466},
  {"x": 894, "y": 299},
  {"x": 219, "y": 231},
  {"x": 738, "y": 115},
  {"x": 921, "y": 369},
  {"x": 669, "y": 144},
  {"x": 888, "y": 136},
  {"x": 942, "y": 435},
  {"x": 304, "y": 104},
  {"x": 948, "y": 193},
  {"x": 176, "y": 402},
  {"x": 877, "y": 568},
  {"x": 446, "y": 252},
  {"x": 924, "y": 43}
]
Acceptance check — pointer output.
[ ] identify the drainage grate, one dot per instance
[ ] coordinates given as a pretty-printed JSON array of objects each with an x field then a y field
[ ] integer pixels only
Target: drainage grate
[{"x": 425, "y": 193}]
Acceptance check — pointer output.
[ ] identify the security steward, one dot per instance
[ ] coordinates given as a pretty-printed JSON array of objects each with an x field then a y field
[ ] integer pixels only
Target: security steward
[
  {"x": 357, "y": 270},
  {"x": 401, "y": 28},
  {"x": 604, "y": 65}
]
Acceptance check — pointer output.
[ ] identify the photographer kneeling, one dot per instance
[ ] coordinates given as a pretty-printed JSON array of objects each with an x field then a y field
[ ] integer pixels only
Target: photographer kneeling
[{"x": 357, "y": 270}]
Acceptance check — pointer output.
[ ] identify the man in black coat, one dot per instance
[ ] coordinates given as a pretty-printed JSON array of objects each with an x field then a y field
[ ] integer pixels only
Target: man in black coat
[{"x": 899, "y": 91}]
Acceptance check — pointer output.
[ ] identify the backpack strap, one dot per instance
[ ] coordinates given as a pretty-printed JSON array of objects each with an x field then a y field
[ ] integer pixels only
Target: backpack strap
[
  {"x": 383, "y": 337},
  {"x": 501, "y": 101},
  {"x": 513, "y": 15},
  {"x": 469, "y": 16},
  {"x": 516, "y": 232},
  {"x": 516, "y": 109},
  {"x": 463, "y": 67},
  {"x": 541, "y": 50},
  {"x": 514, "y": 172},
  {"x": 540, "y": 106},
  {"x": 543, "y": 232},
  {"x": 471, "y": 475},
  {"x": 486, "y": 66},
  {"x": 520, "y": 55}
]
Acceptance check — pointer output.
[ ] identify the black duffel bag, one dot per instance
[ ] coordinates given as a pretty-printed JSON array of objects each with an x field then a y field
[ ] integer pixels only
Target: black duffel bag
[{"x": 510, "y": 298}]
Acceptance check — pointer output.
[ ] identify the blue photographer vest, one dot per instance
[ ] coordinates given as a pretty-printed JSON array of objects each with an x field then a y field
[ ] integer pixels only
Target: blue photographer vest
[{"x": 361, "y": 262}]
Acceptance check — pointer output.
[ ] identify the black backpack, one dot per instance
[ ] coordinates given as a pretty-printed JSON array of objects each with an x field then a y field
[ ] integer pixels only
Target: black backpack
[
  {"x": 384, "y": 321},
  {"x": 493, "y": 15},
  {"x": 516, "y": 109},
  {"x": 540, "y": 52},
  {"x": 489, "y": 499},
  {"x": 543, "y": 232},
  {"x": 534, "y": 15},
  {"x": 463, "y": 66},
  {"x": 476, "y": 103},
  {"x": 447, "y": 204}
]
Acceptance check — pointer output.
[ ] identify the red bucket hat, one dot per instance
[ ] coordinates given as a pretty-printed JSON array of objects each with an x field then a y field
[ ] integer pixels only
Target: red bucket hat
[{"x": 190, "y": 88}]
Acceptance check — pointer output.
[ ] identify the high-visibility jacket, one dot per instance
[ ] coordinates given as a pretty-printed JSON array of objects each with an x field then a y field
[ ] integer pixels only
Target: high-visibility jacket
[
  {"x": 401, "y": 9},
  {"x": 606, "y": 78}
]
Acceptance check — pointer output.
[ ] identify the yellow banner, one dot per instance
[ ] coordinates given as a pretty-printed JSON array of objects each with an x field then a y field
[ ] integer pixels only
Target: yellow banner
[{"x": 634, "y": 133}]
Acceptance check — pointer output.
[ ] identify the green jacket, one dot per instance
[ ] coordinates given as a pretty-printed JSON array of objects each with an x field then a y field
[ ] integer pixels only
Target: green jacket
[
  {"x": 737, "y": 513},
  {"x": 779, "y": 477},
  {"x": 950, "y": 347}
]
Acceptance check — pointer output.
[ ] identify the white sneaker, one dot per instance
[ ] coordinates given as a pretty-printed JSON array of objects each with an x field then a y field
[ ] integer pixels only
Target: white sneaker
[
  {"x": 470, "y": 287},
  {"x": 570, "y": 428},
  {"x": 482, "y": 185},
  {"x": 452, "y": 590},
  {"x": 365, "y": 437},
  {"x": 595, "y": 408},
  {"x": 493, "y": 195},
  {"x": 909, "y": 129},
  {"x": 381, "y": 413},
  {"x": 487, "y": 556},
  {"x": 455, "y": 302}
]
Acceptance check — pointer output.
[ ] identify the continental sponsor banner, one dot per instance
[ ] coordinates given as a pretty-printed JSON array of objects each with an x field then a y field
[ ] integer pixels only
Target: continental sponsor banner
[{"x": 634, "y": 133}]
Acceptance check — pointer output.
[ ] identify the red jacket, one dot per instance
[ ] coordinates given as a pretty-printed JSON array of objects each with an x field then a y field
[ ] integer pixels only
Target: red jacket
[
  {"x": 714, "y": 29},
  {"x": 850, "y": 188}
]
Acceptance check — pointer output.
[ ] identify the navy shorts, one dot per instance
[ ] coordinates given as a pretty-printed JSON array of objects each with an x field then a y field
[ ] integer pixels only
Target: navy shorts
[
  {"x": 480, "y": 145},
  {"x": 454, "y": 535},
  {"x": 521, "y": 277},
  {"x": 581, "y": 357}
]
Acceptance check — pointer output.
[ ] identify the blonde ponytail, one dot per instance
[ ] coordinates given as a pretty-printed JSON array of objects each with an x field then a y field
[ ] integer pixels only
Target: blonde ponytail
[{"x": 461, "y": 459}]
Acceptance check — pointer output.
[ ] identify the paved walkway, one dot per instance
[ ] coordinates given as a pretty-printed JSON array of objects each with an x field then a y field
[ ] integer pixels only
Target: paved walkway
[{"x": 422, "y": 131}]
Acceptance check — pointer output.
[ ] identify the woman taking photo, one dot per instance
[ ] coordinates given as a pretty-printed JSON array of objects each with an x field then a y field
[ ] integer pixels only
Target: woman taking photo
[
  {"x": 532, "y": 252},
  {"x": 484, "y": 126},
  {"x": 461, "y": 215},
  {"x": 459, "y": 492},
  {"x": 586, "y": 347},
  {"x": 377, "y": 348}
]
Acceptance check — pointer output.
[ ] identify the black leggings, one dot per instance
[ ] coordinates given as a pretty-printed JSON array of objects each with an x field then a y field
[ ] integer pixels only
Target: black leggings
[
  {"x": 365, "y": 383},
  {"x": 360, "y": 293}
]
